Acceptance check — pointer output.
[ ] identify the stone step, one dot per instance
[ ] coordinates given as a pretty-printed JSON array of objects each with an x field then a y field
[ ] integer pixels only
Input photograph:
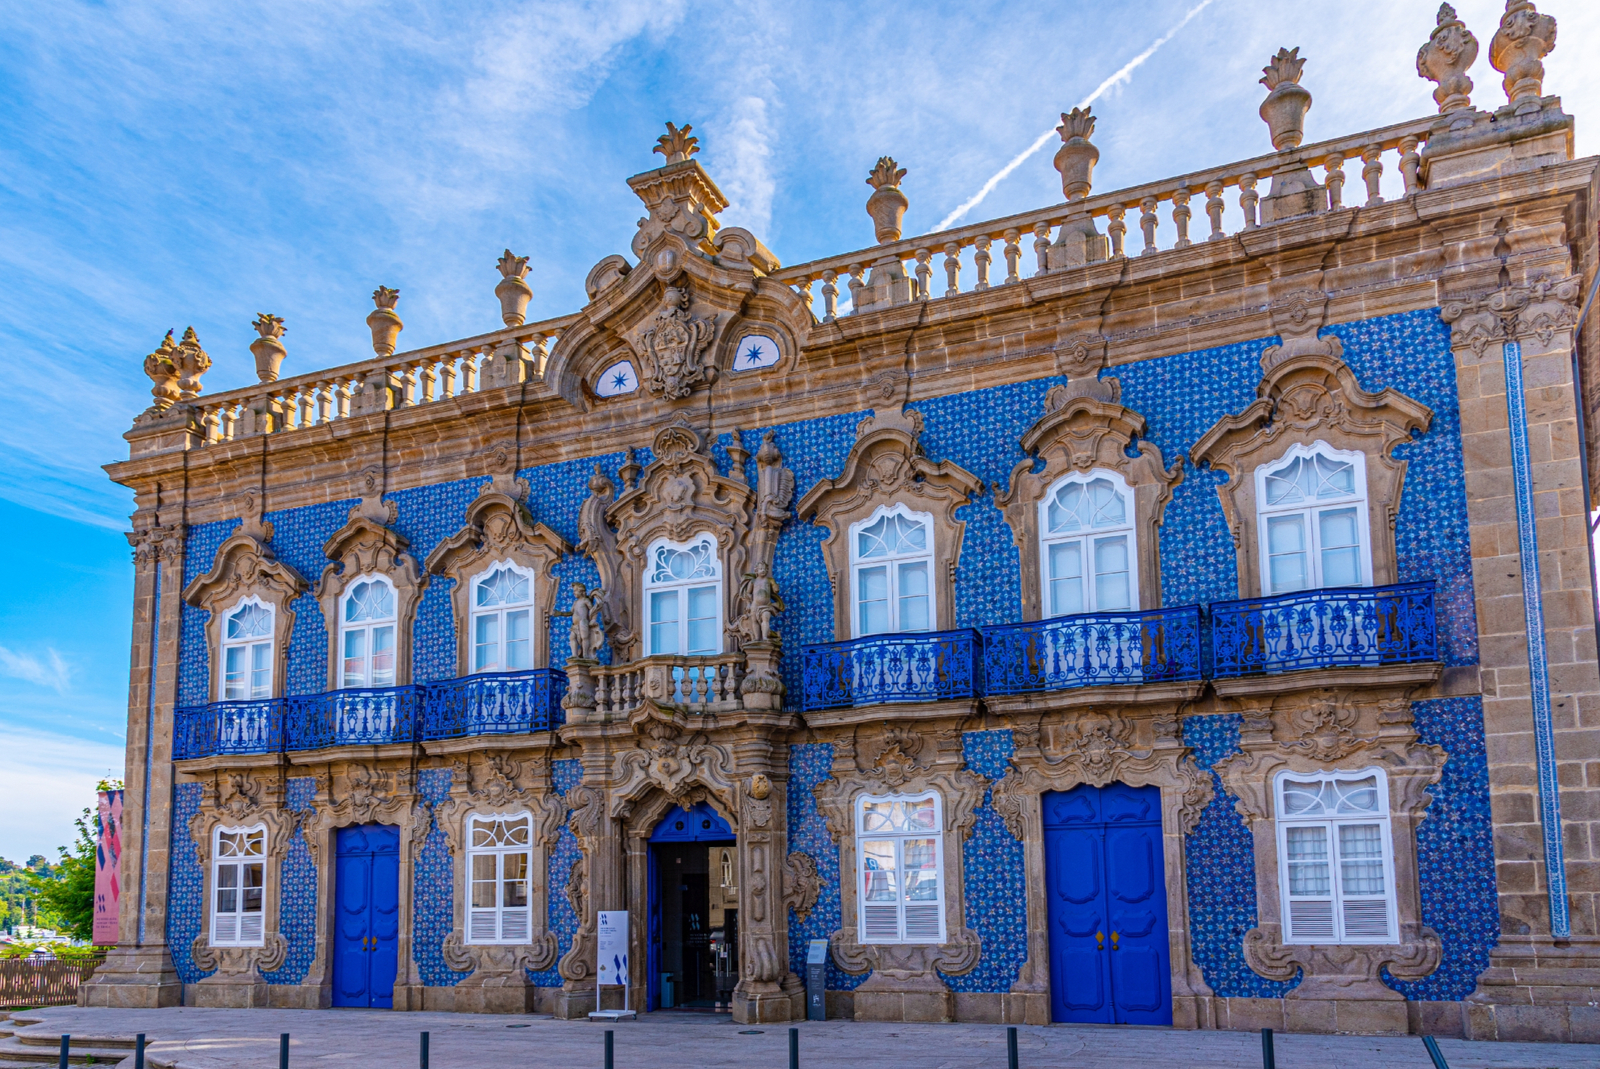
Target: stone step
[
  {"x": 36, "y": 1038},
  {"x": 12, "y": 1052}
]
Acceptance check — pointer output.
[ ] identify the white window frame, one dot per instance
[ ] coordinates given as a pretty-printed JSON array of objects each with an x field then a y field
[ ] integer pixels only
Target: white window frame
[
  {"x": 1310, "y": 510},
  {"x": 872, "y": 920},
  {"x": 238, "y": 927},
  {"x": 1313, "y": 927},
  {"x": 681, "y": 588},
  {"x": 892, "y": 564},
  {"x": 369, "y": 626},
  {"x": 500, "y": 924},
  {"x": 1088, "y": 538},
  {"x": 501, "y": 614},
  {"x": 248, "y": 648}
]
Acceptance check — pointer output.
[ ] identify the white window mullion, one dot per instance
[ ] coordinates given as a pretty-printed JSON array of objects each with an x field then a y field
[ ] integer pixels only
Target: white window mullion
[
  {"x": 900, "y": 860},
  {"x": 1088, "y": 549},
  {"x": 1335, "y": 858}
]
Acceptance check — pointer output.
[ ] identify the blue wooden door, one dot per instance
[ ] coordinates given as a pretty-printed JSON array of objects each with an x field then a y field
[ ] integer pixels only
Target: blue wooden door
[
  {"x": 366, "y": 927},
  {"x": 1106, "y": 882}
]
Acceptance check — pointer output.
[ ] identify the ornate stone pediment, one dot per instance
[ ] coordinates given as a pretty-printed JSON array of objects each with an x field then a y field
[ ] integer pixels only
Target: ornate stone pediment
[
  {"x": 369, "y": 545},
  {"x": 499, "y": 529},
  {"x": 1302, "y": 399},
  {"x": 1085, "y": 428},
  {"x": 887, "y": 466},
  {"x": 674, "y": 763}
]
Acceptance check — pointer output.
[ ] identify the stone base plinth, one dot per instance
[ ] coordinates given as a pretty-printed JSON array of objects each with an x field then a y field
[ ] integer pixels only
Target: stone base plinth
[
  {"x": 1536, "y": 990},
  {"x": 132, "y": 978}
]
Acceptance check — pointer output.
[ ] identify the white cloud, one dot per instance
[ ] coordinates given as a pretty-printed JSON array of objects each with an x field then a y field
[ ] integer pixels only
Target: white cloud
[
  {"x": 744, "y": 147},
  {"x": 51, "y": 670},
  {"x": 46, "y": 781}
]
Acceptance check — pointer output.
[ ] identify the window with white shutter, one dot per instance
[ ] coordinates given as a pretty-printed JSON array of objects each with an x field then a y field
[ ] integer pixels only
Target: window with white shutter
[
  {"x": 498, "y": 861},
  {"x": 1335, "y": 858},
  {"x": 900, "y": 847},
  {"x": 238, "y": 880}
]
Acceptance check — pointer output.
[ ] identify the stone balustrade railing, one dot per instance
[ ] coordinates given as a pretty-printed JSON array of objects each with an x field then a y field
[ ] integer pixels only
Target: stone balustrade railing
[
  {"x": 437, "y": 373},
  {"x": 699, "y": 685},
  {"x": 1174, "y": 213}
]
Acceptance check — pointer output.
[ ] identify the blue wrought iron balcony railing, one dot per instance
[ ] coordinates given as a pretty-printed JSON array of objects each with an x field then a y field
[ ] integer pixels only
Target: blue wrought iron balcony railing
[
  {"x": 497, "y": 704},
  {"x": 1093, "y": 650},
  {"x": 919, "y": 667},
  {"x": 1330, "y": 628}
]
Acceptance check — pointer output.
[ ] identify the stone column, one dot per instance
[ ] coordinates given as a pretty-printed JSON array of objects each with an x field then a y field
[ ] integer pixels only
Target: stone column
[
  {"x": 1535, "y": 603},
  {"x": 601, "y": 876},
  {"x": 767, "y": 990},
  {"x": 139, "y": 971}
]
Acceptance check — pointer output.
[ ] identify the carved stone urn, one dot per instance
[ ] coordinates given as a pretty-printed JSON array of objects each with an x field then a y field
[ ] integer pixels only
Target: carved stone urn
[
  {"x": 1450, "y": 50},
  {"x": 268, "y": 349},
  {"x": 1076, "y": 157},
  {"x": 163, "y": 372},
  {"x": 1524, "y": 38},
  {"x": 887, "y": 205},
  {"x": 513, "y": 290},
  {"x": 384, "y": 321},
  {"x": 1284, "y": 110}
]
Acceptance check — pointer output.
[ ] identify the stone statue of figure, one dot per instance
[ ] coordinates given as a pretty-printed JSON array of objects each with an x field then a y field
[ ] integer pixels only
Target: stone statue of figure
[
  {"x": 585, "y": 637},
  {"x": 765, "y": 603}
]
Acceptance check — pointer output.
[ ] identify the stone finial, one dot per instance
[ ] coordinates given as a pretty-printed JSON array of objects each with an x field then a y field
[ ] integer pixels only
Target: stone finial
[
  {"x": 268, "y": 349},
  {"x": 163, "y": 374},
  {"x": 191, "y": 362},
  {"x": 384, "y": 321},
  {"x": 887, "y": 205},
  {"x": 676, "y": 145},
  {"x": 513, "y": 289},
  {"x": 1524, "y": 38},
  {"x": 1075, "y": 159},
  {"x": 1284, "y": 110},
  {"x": 1450, "y": 50}
]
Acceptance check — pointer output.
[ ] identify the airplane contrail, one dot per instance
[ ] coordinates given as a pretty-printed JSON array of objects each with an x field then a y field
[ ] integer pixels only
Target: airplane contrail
[{"x": 1121, "y": 76}]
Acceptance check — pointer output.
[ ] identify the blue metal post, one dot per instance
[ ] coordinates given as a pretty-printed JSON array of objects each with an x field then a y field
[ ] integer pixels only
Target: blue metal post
[
  {"x": 1433, "y": 1052},
  {"x": 283, "y": 1051},
  {"x": 424, "y": 1050},
  {"x": 1267, "y": 1061},
  {"x": 608, "y": 1048},
  {"x": 1011, "y": 1046},
  {"x": 138, "y": 1051},
  {"x": 794, "y": 1048},
  {"x": 66, "y": 1045}
]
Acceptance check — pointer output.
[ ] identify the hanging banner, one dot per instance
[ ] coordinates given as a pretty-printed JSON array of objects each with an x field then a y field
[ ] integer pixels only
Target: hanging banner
[
  {"x": 107, "y": 867},
  {"x": 613, "y": 940}
]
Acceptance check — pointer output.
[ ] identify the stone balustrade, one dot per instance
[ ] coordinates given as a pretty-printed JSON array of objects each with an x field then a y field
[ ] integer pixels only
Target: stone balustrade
[
  {"x": 404, "y": 380},
  {"x": 1145, "y": 220},
  {"x": 696, "y": 685}
]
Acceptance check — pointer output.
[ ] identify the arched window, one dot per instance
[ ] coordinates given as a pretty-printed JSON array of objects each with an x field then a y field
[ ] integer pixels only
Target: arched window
[
  {"x": 502, "y": 607},
  {"x": 1312, "y": 520},
  {"x": 1336, "y": 860},
  {"x": 1088, "y": 546},
  {"x": 498, "y": 862},
  {"x": 901, "y": 868},
  {"x": 366, "y": 634},
  {"x": 683, "y": 597},
  {"x": 238, "y": 880},
  {"x": 247, "y": 651},
  {"x": 891, "y": 561}
]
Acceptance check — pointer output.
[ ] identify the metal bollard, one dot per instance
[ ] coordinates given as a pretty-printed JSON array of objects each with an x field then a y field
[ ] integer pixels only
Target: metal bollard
[
  {"x": 1267, "y": 1061},
  {"x": 138, "y": 1051},
  {"x": 424, "y": 1050},
  {"x": 1011, "y": 1046},
  {"x": 1433, "y": 1052},
  {"x": 608, "y": 1048},
  {"x": 283, "y": 1051},
  {"x": 66, "y": 1045},
  {"x": 794, "y": 1048}
]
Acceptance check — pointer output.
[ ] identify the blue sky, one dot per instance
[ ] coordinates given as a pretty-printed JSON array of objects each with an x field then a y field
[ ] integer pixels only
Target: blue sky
[{"x": 177, "y": 163}]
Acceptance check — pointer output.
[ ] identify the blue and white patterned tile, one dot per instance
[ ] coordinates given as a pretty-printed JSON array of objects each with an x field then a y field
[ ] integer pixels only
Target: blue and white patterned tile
[
  {"x": 297, "y": 890},
  {"x": 811, "y": 763},
  {"x": 994, "y": 876},
  {"x": 186, "y": 901},
  {"x": 564, "y": 775},
  {"x": 433, "y": 904}
]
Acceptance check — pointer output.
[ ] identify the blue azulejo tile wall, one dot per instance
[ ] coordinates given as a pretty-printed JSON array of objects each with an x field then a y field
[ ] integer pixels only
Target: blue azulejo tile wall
[
  {"x": 200, "y": 552},
  {"x": 1220, "y": 859},
  {"x": 433, "y": 901},
  {"x": 297, "y": 891},
  {"x": 811, "y": 763},
  {"x": 1455, "y": 852},
  {"x": 185, "y": 885},
  {"x": 994, "y": 875},
  {"x": 559, "y": 915}
]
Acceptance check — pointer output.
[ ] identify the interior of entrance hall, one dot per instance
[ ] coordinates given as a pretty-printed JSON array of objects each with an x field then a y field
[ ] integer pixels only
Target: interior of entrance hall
[{"x": 694, "y": 916}]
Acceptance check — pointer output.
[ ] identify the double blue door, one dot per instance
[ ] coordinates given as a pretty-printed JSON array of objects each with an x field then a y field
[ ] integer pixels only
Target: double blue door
[
  {"x": 1109, "y": 954},
  {"x": 366, "y": 927}
]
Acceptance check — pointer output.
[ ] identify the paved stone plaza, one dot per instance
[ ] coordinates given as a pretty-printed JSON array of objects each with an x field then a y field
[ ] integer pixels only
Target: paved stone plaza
[{"x": 190, "y": 1038}]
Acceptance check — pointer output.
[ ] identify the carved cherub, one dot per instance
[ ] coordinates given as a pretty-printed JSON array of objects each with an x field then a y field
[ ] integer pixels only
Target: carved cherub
[
  {"x": 765, "y": 602},
  {"x": 586, "y": 635}
]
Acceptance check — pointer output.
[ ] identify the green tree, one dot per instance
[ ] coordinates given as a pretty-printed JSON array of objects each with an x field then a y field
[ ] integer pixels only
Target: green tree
[{"x": 65, "y": 895}]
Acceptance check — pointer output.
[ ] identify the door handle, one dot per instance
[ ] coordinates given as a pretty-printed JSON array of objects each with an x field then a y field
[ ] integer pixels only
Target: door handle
[
  {"x": 1114, "y": 940},
  {"x": 1099, "y": 940}
]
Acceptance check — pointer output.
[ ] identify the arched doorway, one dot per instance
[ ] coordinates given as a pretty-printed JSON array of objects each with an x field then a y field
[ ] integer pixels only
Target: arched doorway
[{"x": 693, "y": 910}]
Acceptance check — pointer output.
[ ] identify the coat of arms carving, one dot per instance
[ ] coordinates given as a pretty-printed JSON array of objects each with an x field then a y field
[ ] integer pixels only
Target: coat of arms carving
[{"x": 676, "y": 348}]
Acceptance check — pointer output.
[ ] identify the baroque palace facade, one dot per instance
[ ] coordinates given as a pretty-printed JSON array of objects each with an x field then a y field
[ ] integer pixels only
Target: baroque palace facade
[{"x": 1116, "y": 612}]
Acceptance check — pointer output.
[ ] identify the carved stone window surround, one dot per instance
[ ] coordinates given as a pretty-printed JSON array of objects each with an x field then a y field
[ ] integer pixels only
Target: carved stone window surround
[
  {"x": 1337, "y": 730},
  {"x": 365, "y": 546},
  {"x": 499, "y": 530},
  {"x": 887, "y": 467},
  {"x": 1058, "y": 751},
  {"x": 1307, "y": 397},
  {"x": 1085, "y": 429}
]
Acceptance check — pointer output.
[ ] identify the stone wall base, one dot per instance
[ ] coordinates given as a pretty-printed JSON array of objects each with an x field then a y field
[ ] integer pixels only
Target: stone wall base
[
  {"x": 219, "y": 992},
  {"x": 984, "y": 1007},
  {"x": 133, "y": 978},
  {"x": 1535, "y": 989}
]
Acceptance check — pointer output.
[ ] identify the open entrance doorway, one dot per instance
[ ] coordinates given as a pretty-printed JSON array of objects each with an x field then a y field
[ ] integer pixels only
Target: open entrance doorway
[{"x": 694, "y": 914}]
